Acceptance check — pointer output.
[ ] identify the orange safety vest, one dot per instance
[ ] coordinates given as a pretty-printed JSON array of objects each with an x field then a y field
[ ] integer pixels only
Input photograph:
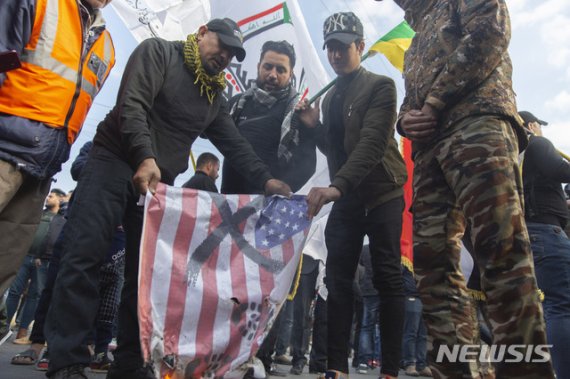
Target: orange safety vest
[{"x": 58, "y": 80}]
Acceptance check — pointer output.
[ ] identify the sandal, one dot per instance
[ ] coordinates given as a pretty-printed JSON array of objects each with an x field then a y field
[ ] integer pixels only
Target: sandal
[
  {"x": 27, "y": 358},
  {"x": 43, "y": 363}
]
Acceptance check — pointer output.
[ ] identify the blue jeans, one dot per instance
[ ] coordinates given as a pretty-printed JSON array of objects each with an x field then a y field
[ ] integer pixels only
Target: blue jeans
[
  {"x": 551, "y": 253},
  {"x": 369, "y": 341},
  {"x": 284, "y": 337},
  {"x": 415, "y": 335},
  {"x": 37, "y": 277}
]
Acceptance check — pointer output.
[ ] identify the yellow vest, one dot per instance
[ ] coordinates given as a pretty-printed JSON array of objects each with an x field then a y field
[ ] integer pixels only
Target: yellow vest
[{"x": 58, "y": 81}]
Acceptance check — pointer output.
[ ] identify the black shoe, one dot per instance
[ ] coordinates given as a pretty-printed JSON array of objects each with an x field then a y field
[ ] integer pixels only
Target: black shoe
[
  {"x": 316, "y": 369},
  {"x": 297, "y": 369},
  {"x": 145, "y": 372},
  {"x": 71, "y": 372},
  {"x": 274, "y": 371}
]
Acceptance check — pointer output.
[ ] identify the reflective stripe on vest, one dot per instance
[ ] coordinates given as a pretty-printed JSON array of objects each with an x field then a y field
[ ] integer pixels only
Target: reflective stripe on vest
[{"x": 47, "y": 88}]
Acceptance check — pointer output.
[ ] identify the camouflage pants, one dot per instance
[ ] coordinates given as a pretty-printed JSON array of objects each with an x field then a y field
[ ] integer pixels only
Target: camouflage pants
[{"x": 473, "y": 172}]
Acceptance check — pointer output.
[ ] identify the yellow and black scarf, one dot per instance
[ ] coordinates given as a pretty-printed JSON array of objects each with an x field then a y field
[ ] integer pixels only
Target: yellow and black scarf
[{"x": 208, "y": 83}]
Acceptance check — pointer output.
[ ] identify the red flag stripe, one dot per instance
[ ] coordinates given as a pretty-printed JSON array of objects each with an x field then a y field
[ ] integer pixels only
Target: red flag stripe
[
  {"x": 179, "y": 275},
  {"x": 153, "y": 220},
  {"x": 239, "y": 293},
  {"x": 205, "y": 333}
]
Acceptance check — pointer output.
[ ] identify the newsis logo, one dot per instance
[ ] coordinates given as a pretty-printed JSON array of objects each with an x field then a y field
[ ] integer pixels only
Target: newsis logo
[{"x": 493, "y": 353}]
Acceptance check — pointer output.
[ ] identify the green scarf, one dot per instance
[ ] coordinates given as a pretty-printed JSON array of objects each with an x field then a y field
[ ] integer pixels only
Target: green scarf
[{"x": 208, "y": 83}]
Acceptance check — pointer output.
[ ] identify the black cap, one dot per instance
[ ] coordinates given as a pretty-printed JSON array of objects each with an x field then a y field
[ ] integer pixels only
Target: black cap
[
  {"x": 230, "y": 35},
  {"x": 344, "y": 27},
  {"x": 529, "y": 117}
]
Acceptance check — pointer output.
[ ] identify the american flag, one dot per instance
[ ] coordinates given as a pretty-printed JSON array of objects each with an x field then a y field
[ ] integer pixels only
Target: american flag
[{"x": 214, "y": 271}]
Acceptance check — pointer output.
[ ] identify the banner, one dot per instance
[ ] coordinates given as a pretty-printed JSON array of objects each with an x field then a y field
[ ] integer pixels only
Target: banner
[
  {"x": 214, "y": 271},
  {"x": 265, "y": 20},
  {"x": 168, "y": 19}
]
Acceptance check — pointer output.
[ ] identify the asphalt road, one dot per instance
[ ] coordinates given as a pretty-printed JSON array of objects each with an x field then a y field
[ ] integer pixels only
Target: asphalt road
[{"x": 9, "y": 371}]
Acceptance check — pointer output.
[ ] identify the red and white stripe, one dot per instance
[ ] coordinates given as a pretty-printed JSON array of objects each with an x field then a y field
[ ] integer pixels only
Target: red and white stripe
[{"x": 193, "y": 322}]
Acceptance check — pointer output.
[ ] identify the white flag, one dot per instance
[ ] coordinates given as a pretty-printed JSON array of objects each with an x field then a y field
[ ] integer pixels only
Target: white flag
[{"x": 168, "y": 19}]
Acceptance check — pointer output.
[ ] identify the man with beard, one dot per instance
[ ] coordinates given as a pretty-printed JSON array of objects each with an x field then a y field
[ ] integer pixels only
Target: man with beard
[{"x": 262, "y": 116}]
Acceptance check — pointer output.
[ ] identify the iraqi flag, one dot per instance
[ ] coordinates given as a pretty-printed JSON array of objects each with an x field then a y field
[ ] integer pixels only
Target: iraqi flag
[{"x": 214, "y": 271}]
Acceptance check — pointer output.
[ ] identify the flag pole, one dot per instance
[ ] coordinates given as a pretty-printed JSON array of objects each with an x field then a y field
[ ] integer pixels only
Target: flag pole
[{"x": 332, "y": 83}]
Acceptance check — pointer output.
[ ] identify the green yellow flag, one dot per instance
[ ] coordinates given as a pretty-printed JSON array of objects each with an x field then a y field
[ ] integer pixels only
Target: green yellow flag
[{"x": 394, "y": 44}]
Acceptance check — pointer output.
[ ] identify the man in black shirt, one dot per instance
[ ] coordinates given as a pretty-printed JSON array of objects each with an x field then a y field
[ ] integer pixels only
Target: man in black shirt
[
  {"x": 207, "y": 168},
  {"x": 546, "y": 215},
  {"x": 170, "y": 93}
]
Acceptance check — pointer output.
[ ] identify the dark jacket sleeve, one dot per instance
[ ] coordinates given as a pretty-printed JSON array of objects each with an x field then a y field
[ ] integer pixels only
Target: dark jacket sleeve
[
  {"x": 55, "y": 227},
  {"x": 16, "y": 23},
  {"x": 141, "y": 82},
  {"x": 80, "y": 160},
  {"x": 377, "y": 128},
  {"x": 548, "y": 161},
  {"x": 223, "y": 133}
]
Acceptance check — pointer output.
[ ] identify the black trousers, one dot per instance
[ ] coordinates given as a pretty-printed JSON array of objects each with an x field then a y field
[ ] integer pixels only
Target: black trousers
[
  {"x": 104, "y": 198},
  {"x": 348, "y": 223},
  {"x": 318, "y": 355}
]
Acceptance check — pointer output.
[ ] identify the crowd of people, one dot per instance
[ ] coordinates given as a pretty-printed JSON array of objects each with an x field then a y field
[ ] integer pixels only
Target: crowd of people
[{"x": 485, "y": 181}]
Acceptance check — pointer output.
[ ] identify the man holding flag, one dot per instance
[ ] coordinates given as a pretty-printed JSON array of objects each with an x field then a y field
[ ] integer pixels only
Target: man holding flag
[
  {"x": 170, "y": 93},
  {"x": 367, "y": 174},
  {"x": 460, "y": 113},
  {"x": 263, "y": 114}
]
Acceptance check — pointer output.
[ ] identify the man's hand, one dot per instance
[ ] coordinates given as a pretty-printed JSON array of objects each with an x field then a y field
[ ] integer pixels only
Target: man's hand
[
  {"x": 277, "y": 187},
  {"x": 420, "y": 126},
  {"x": 308, "y": 115},
  {"x": 38, "y": 262},
  {"x": 147, "y": 176},
  {"x": 319, "y": 196}
]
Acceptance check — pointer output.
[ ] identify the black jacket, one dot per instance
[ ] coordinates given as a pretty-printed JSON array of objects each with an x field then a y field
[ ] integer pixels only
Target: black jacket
[
  {"x": 544, "y": 171},
  {"x": 261, "y": 127},
  {"x": 201, "y": 181},
  {"x": 160, "y": 112}
]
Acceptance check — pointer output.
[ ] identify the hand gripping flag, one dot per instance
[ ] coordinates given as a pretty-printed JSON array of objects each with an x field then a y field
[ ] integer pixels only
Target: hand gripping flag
[{"x": 214, "y": 271}]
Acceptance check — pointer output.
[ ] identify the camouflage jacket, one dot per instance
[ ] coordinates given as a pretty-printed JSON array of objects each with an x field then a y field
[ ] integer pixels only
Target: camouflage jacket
[{"x": 458, "y": 61}]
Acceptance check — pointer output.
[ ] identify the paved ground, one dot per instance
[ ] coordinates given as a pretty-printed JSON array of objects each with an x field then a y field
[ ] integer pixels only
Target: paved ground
[{"x": 9, "y": 371}]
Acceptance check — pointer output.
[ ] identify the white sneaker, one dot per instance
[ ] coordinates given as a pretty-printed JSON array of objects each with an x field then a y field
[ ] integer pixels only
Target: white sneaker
[{"x": 362, "y": 368}]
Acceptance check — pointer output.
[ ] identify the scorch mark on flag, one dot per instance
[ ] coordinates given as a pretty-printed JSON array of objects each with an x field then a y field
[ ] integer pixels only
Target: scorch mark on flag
[{"x": 211, "y": 327}]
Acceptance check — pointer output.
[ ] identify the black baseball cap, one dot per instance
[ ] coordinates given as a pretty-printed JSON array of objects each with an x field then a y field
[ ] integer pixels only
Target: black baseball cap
[
  {"x": 344, "y": 27},
  {"x": 529, "y": 117},
  {"x": 230, "y": 34}
]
